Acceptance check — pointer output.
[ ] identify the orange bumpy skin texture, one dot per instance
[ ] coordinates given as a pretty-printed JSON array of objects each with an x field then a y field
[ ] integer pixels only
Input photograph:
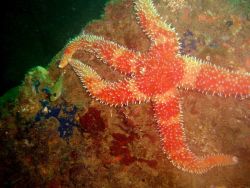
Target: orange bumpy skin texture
[{"x": 157, "y": 76}]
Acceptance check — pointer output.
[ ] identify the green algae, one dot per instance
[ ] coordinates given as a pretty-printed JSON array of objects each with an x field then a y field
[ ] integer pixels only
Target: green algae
[{"x": 241, "y": 5}]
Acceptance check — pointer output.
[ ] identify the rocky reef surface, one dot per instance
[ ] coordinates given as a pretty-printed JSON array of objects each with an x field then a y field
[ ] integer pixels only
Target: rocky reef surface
[{"x": 53, "y": 134}]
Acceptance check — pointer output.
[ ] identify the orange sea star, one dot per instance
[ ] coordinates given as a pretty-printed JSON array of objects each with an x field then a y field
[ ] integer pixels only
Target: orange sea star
[{"x": 157, "y": 76}]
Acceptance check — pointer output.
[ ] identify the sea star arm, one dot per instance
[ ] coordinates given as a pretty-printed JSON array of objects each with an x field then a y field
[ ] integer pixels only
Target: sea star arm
[
  {"x": 170, "y": 126},
  {"x": 161, "y": 33},
  {"x": 212, "y": 79},
  {"x": 113, "y": 54},
  {"x": 115, "y": 93}
]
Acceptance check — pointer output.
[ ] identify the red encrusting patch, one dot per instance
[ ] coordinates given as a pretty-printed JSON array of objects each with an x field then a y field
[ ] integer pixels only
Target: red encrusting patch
[
  {"x": 120, "y": 145},
  {"x": 120, "y": 149},
  {"x": 92, "y": 122}
]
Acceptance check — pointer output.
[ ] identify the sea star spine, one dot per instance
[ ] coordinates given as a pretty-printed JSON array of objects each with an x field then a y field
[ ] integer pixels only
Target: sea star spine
[
  {"x": 170, "y": 126},
  {"x": 154, "y": 27},
  {"x": 109, "y": 52},
  {"x": 221, "y": 81},
  {"x": 115, "y": 93},
  {"x": 205, "y": 77}
]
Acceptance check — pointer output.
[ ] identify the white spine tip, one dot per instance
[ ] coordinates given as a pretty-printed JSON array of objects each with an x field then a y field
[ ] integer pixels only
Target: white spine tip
[{"x": 235, "y": 159}]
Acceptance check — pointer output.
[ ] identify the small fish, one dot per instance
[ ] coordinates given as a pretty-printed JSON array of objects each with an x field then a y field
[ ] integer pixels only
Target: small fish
[{"x": 56, "y": 90}]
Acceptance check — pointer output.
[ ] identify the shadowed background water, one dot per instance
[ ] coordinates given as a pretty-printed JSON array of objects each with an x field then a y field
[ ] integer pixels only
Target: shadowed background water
[{"x": 34, "y": 31}]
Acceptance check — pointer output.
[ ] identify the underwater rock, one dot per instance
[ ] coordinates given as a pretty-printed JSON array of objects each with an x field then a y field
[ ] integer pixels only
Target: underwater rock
[{"x": 71, "y": 140}]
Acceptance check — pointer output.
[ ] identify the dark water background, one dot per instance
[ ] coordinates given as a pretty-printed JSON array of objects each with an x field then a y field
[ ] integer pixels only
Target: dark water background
[{"x": 35, "y": 30}]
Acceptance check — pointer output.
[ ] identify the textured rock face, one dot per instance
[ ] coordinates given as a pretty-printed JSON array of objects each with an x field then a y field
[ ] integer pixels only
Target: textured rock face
[{"x": 75, "y": 141}]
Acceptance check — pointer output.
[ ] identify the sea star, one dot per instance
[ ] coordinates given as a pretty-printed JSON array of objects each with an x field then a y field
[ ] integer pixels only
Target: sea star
[{"x": 157, "y": 76}]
